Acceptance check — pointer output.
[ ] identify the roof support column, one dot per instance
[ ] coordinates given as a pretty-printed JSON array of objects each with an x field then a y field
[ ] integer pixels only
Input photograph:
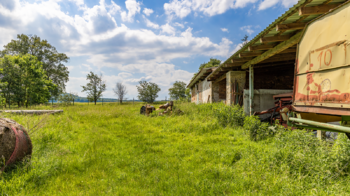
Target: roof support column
[{"x": 251, "y": 89}]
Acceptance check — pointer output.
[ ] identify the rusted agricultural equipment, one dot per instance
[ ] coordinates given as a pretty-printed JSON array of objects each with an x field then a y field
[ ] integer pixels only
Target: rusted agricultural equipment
[
  {"x": 147, "y": 109},
  {"x": 168, "y": 108},
  {"x": 322, "y": 74},
  {"x": 15, "y": 143},
  {"x": 283, "y": 104},
  {"x": 165, "y": 106}
]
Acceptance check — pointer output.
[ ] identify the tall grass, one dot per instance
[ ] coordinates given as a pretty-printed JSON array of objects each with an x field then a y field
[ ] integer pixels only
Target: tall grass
[{"x": 113, "y": 150}]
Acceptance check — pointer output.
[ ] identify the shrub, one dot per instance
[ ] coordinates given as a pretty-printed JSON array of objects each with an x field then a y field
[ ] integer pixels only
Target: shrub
[
  {"x": 229, "y": 115},
  {"x": 258, "y": 130}
]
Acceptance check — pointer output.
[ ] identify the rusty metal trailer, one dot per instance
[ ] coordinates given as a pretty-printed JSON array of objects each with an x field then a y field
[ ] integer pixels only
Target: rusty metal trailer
[{"x": 322, "y": 73}]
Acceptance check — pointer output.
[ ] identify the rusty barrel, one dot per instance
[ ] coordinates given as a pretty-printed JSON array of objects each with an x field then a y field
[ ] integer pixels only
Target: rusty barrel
[{"x": 15, "y": 143}]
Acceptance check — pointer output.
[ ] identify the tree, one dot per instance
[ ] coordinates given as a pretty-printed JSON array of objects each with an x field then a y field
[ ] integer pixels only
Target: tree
[
  {"x": 212, "y": 63},
  {"x": 24, "y": 81},
  {"x": 148, "y": 91},
  {"x": 67, "y": 98},
  {"x": 244, "y": 40},
  {"x": 120, "y": 91},
  {"x": 178, "y": 90},
  {"x": 95, "y": 87},
  {"x": 52, "y": 61}
]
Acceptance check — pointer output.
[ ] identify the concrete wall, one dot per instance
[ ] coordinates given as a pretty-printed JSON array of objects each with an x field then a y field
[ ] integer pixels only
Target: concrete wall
[
  {"x": 231, "y": 77},
  {"x": 263, "y": 99},
  {"x": 207, "y": 92}
]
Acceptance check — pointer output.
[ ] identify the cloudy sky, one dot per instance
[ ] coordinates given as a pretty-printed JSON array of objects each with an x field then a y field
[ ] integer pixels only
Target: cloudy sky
[{"x": 161, "y": 41}]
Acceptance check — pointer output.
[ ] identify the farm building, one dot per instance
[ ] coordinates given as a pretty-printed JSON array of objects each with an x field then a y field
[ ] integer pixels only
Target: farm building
[{"x": 264, "y": 69}]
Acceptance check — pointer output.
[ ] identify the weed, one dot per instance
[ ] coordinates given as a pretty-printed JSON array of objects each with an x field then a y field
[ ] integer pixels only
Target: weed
[
  {"x": 111, "y": 149},
  {"x": 229, "y": 115}
]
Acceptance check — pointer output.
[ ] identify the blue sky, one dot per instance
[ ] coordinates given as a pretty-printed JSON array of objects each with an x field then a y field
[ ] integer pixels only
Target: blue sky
[{"x": 160, "y": 41}]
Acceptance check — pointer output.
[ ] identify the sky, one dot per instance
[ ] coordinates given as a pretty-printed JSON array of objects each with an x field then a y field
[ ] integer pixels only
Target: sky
[{"x": 160, "y": 41}]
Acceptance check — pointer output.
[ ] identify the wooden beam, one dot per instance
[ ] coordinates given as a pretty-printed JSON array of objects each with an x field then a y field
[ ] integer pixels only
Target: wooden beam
[
  {"x": 237, "y": 64},
  {"x": 261, "y": 47},
  {"x": 321, "y": 9},
  {"x": 226, "y": 68},
  {"x": 289, "y": 50},
  {"x": 279, "y": 58},
  {"x": 291, "y": 26},
  {"x": 278, "y": 38},
  {"x": 279, "y": 48},
  {"x": 262, "y": 65},
  {"x": 220, "y": 78},
  {"x": 239, "y": 60},
  {"x": 250, "y": 54}
]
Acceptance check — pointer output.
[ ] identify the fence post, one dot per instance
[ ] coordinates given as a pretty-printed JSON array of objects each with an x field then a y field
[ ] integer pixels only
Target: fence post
[{"x": 251, "y": 90}]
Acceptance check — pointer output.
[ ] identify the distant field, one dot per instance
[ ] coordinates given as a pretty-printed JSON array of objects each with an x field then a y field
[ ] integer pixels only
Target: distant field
[{"x": 111, "y": 149}]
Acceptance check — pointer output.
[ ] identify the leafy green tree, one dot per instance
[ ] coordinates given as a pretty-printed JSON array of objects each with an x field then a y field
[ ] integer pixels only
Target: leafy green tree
[
  {"x": 178, "y": 91},
  {"x": 52, "y": 61},
  {"x": 23, "y": 80},
  {"x": 67, "y": 98},
  {"x": 212, "y": 63},
  {"x": 148, "y": 91},
  {"x": 95, "y": 87}
]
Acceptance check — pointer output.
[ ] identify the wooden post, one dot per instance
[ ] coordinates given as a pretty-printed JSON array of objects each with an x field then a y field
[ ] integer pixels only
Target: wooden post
[{"x": 251, "y": 90}]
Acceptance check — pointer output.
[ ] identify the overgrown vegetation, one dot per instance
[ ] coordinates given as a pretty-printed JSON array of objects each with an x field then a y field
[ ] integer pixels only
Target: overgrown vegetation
[{"x": 112, "y": 150}]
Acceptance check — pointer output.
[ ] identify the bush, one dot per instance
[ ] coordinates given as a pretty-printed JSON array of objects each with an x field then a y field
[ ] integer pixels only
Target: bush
[
  {"x": 229, "y": 115},
  {"x": 258, "y": 130}
]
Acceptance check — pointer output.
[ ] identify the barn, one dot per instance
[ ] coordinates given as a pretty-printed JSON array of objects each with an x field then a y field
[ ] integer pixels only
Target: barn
[{"x": 264, "y": 68}]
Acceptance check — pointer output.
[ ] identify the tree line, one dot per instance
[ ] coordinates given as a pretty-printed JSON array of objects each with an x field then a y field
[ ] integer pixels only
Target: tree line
[{"x": 32, "y": 71}]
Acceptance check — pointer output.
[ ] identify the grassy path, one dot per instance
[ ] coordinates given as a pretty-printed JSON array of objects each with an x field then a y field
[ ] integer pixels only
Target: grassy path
[{"x": 112, "y": 150}]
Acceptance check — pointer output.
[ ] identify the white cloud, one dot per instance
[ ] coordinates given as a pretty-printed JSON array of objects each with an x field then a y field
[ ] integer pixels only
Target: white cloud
[
  {"x": 247, "y": 29},
  {"x": 147, "y": 11},
  {"x": 133, "y": 8},
  {"x": 224, "y": 30},
  {"x": 168, "y": 29},
  {"x": 150, "y": 24},
  {"x": 108, "y": 46},
  {"x": 269, "y": 3},
  {"x": 179, "y": 25},
  {"x": 182, "y": 8}
]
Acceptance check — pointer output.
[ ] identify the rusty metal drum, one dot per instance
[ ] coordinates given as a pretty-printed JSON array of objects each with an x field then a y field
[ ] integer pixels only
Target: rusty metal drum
[{"x": 15, "y": 143}]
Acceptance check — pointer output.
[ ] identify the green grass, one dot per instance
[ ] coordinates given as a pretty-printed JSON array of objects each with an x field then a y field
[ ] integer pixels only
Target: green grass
[{"x": 111, "y": 149}]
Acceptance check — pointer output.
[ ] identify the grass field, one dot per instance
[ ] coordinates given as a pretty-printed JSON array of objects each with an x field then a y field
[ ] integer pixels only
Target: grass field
[{"x": 111, "y": 149}]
